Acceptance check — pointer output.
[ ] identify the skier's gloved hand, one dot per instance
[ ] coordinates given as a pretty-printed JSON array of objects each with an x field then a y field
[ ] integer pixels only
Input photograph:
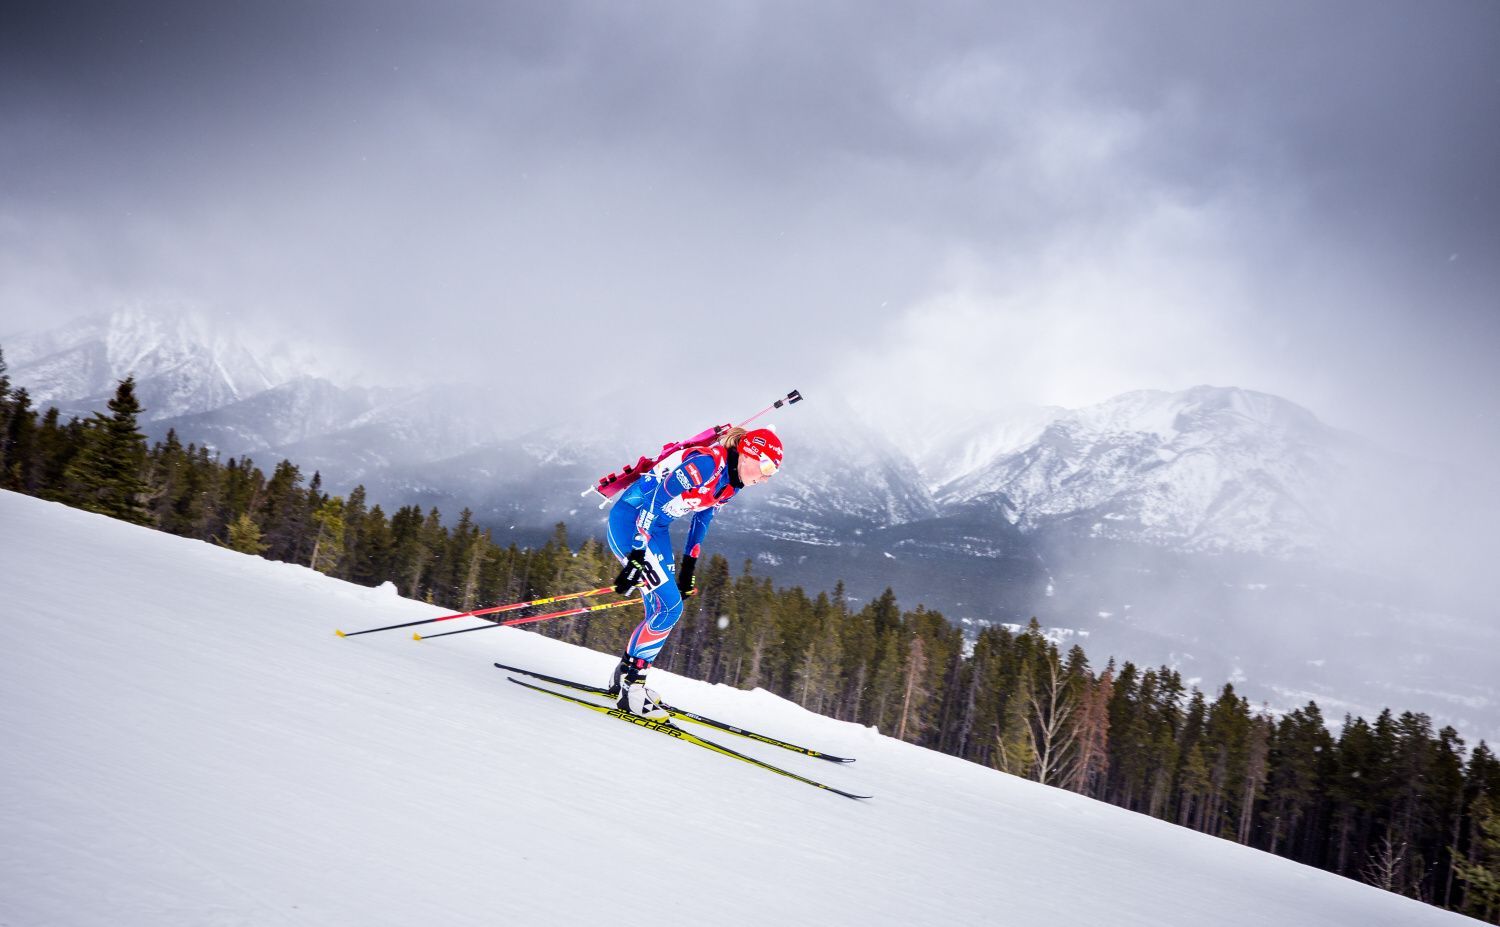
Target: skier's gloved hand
[
  {"x": 632, "y": 572},
  {"x": 685, "y": 574}
]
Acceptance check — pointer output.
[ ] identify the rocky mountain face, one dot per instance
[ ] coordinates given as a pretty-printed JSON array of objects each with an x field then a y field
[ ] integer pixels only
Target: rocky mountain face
[
  {"x": 1204, "y": 470},
  {"x": 183, "y": 364},
  {"x": 1223, "y": 531}
]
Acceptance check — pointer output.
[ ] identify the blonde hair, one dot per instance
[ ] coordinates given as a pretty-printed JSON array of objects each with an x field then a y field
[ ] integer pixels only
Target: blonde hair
[{"x": 732, "y": 437}]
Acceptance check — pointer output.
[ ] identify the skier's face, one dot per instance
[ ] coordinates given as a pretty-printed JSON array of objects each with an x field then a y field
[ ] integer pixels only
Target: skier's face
[{"x": 751, "y": 472}]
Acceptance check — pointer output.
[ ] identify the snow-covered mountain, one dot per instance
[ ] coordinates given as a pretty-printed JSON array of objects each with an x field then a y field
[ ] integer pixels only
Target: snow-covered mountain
[
  {"x": 183, "y": 362},
  {"x": 352, "y": 435},
  {"x": 221, "y": 757},
  {"x": 297, "y": 410},
  {"x": 1205, "y": 470},
  {"x": 945, "y": 452},
  {"x": 841, "y": 475},
  {"x": 199, "y": 376}
]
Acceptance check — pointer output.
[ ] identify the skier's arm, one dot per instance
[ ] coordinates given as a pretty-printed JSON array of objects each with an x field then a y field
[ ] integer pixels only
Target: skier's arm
[{"x": 697, "y": 531}]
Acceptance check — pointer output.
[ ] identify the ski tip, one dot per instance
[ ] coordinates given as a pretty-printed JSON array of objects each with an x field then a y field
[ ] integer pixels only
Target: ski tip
[
  {"x": 416, "y": 637},
  {"x": 339, "y": 633}
]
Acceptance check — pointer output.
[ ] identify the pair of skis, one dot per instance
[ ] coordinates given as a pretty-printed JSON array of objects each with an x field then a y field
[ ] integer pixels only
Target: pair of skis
[{"x": 666, "y": 726}]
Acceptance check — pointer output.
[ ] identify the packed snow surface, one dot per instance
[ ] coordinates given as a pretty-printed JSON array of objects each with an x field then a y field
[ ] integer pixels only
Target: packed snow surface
[{"x": 185, "y": 741}]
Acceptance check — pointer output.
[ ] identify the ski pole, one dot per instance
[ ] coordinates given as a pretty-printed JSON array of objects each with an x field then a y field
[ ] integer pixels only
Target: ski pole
[
  {"x": 793, "y": 396},
  {"x": 530, "y": 618},
  {"x": 483, "y": 611}
]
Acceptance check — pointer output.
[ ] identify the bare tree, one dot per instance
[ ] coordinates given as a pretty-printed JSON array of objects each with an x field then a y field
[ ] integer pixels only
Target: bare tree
[
  {"x": 1091, "y": 726},
  {"x": 1256, "y": 770},
  {"x": 1052, "y": 707},
  {"x": 1384, "y": 868},
  {"x": 916, "y": 668}
]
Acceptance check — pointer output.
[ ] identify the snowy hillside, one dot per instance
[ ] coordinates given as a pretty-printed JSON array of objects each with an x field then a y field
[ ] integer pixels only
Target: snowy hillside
[{"x": 186, "y": 742}]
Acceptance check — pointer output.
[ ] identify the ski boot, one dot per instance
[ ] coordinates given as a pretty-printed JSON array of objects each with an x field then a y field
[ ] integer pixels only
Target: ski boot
[{"x": 629, "y": 683}]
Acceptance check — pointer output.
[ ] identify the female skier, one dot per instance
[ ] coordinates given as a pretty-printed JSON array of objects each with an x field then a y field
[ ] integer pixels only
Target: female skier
[{"x": 696, "y": 481}]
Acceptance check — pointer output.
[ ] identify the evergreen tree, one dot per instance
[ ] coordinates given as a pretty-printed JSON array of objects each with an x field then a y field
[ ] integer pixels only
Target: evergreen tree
[
  {"x": 374, "y": 559},
  {"x": 328, "y": 535},
  {"x": 177, "y": 489},
  {"x": 282, "y": 513},
  {"x": 240, "y": 490},
  {"x": 1479, "y": 869},
  {"x": 410, "y": 553},
  {"x": 1415, "y": 821},
  {"x": 816, "y": 675},
  {"x": 704, "y": 638},
  {"x": 1161, "y": 703},
  {"x": 469, "y": 547},
  {"x": 106, "y": 476},
  {"x": 1257, "y": 771},
  {"x": 1447, "y": 786},
  {"x": 5, "y": 414},
  {"x": 1128, "y": 759},
  {"x": 1349, "y": 793},
  {"x": 1191, "y": 777},
  {"x": 1015, "y": 751},
  {"x": 753, "y": 631},
  {"x": 57, "y": 445},
  {"x": 19, "y": 444},
  {"x": 885, "y": 694},
  {"x": 1474, "y": 860},
  {"x": 858, "y": 645},
  {"x": 1226, "y": 735},
  {"x": 244, "y": 536},
  {"x": 356, "y": 512},
  {"x": 1295, "y": 784},
  {"x": 983, "y": 696}
]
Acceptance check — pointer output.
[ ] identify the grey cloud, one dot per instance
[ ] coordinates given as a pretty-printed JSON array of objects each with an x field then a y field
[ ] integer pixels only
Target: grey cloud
[{"x": 502, "y": 187}]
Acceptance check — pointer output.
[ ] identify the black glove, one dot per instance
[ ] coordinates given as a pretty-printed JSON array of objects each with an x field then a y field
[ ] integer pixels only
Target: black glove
[
  {"x": 685, "y": 574},
  {"x": 632, "y": 572}
]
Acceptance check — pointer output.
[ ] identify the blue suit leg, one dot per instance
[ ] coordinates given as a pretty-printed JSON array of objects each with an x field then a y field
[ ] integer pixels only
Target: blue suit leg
[{"x": 662, "y": 600}]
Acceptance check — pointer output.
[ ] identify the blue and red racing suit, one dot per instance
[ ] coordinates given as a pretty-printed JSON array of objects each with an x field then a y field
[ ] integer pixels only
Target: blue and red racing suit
[{"x": 694, "y": 480}]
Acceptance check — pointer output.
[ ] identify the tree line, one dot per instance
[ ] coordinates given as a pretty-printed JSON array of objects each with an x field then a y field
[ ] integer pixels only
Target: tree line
[{"x": 1391, "y": 802}]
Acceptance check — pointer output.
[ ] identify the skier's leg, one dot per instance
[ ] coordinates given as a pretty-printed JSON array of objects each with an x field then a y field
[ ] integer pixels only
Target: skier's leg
[
  {"x": 662, "y": 600},
  {"x": 663, "y": 606}
]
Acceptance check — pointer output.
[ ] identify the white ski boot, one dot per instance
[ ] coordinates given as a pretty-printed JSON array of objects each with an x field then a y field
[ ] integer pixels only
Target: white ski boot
[{"x": 629, "y": 683}]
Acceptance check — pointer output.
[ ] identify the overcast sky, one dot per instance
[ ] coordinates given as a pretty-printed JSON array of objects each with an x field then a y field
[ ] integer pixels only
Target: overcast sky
[{"x": 926, "y": 207}]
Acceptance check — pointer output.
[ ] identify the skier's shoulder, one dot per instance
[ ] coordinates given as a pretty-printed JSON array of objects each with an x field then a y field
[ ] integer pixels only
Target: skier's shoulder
[{"x": 700, "y": 465}]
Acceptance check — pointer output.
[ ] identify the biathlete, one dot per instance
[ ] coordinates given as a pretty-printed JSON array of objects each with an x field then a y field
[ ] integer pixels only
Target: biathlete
[{"x": 693, "y": 481}]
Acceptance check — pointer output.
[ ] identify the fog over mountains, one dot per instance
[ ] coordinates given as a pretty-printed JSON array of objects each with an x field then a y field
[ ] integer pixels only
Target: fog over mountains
[{"x": 1227, "y": 532}]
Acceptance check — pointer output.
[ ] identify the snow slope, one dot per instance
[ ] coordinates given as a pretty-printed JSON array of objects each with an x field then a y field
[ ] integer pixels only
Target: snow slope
[{"x": 184, "y": 741}]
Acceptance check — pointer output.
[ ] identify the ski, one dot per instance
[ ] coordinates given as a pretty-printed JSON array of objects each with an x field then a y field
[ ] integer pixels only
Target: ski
[
  {"x": 685, "y": 715},
  {"x": 672, "y": 730}
]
